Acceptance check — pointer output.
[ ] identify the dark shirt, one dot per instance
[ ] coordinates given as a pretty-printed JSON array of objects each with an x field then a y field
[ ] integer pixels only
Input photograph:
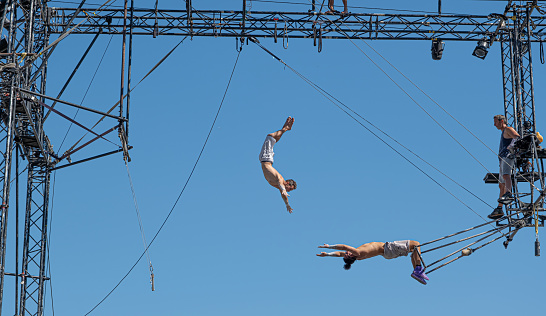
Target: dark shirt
[{"x": 503, "y": 146}]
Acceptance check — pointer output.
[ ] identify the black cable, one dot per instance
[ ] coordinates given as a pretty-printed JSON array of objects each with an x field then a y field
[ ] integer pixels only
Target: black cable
[{"x": 181, "y": 192}]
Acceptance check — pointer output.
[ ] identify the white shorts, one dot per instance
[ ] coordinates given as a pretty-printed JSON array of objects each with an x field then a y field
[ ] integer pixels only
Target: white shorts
[
  {"x": 396, "y": 249},
  {"x": 506, "y": 166},
  {"x": 266, "y": 154}
]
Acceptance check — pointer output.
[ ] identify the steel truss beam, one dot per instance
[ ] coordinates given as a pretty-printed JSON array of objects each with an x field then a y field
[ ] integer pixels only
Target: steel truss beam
[
  {"x": 519, "y": 110},
  {"x": 284, "y": 24},
  {"x": 35, "y": 238},
  {"x": 22, "y": 125}
]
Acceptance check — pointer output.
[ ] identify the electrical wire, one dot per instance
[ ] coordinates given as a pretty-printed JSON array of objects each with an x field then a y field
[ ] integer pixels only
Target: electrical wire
[{"x": 179, "y": 195}]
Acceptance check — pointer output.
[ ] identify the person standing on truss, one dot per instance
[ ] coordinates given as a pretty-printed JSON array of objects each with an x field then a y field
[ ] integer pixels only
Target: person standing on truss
[
  {"x": 389, "y": 250},
  {"x": 272, "y": 176},
  {"x": 506, "y": 164},
  {"x": 332, "y": 10}
]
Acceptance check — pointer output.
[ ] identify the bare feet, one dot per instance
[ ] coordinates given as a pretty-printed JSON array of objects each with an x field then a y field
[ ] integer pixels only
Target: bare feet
[{"x": 288, "y": 124}]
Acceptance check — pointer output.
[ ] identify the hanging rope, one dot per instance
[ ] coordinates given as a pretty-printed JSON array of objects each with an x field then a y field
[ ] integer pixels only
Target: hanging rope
[
  {"x": 179, "y": 195},
  {"x": 141, "y": 227},
  {"x": 285, "y": 36}
]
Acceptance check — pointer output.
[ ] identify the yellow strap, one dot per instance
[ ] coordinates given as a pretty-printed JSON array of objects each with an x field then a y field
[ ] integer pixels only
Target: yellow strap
[{"x": 23, "y": 56}]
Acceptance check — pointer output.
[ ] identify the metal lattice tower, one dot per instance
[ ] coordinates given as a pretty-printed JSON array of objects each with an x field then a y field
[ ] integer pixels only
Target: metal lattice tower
[
  {"x": 519, "y": 110},
  {"x": 24, "y": 66},
  {"x": 22, "y": 122}
]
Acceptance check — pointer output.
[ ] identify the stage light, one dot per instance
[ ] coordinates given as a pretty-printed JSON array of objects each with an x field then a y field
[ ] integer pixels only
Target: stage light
[
  {"x": 481, "y": 49},
  {"x": 437, "y": 49}
]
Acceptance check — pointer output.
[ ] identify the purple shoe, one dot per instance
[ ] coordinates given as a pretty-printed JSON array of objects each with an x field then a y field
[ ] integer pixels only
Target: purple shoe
[
  {"x": 421, "y": 271},
  {"x": 419, "y": 275}
]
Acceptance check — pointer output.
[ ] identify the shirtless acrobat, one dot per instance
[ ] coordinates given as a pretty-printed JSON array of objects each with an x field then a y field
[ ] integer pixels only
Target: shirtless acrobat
[
  {"x": 389, "y": 250},
  {"x": 266, "y": 158}
]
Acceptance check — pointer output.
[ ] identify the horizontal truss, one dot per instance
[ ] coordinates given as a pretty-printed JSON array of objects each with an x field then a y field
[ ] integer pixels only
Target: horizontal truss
[{"x": 218, "y": 23}]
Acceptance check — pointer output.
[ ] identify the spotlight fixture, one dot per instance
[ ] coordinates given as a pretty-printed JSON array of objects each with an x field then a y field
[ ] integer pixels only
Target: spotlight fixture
[
  {"x": 437, "y": 49},
  {"x": 481, "y": 49}
]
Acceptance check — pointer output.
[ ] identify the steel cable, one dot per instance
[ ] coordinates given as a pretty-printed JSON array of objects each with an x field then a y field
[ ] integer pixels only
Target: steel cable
[{"x": 181, "y": 192}]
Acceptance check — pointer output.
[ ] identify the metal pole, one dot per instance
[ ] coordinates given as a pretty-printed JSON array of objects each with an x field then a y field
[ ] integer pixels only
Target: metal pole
[
  {"x": 129, "y": 70},
  {"x": 6, "y": 187},
  {"x": 124, "y": 32},
  {"x": 16, "y": 229},
  {"x": 531, "y": 85}
]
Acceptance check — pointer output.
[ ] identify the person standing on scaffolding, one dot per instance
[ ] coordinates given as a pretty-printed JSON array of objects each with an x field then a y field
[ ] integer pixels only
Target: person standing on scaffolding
[
  {"x": 389, "y": 250},
  {"x": 273, "y": 177},
  {"x": 331, "y": 9},
  {"x": 506, "y": 164}
]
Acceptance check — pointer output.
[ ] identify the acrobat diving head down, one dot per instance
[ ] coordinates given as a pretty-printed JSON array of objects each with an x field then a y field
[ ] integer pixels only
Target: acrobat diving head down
[
  {"x": 349, "y": 260},
  {"x": 290, "y": 185}
]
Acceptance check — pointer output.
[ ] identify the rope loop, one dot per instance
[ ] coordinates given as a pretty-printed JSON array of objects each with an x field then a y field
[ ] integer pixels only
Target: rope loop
[
  {"x": 320, "y": 40},
  {"x": 239, "y": 47},
  {"x": 285, "y": 36}
]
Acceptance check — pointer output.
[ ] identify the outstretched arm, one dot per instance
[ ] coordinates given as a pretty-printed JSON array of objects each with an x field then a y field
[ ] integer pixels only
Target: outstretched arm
[
  {"x": 287, "y": 126},
  {"x": 353, "y": 250},
  {"x": 285, "y": 196},
  {"x": 331, "y": 254}
]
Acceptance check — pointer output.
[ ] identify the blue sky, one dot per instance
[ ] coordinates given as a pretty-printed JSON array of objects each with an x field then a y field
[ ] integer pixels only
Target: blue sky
[{"x": 230, "y": 247}]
